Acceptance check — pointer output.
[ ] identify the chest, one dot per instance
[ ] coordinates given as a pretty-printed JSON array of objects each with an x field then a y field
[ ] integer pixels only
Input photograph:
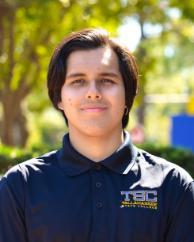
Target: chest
[{"x": 94, "y": 207}]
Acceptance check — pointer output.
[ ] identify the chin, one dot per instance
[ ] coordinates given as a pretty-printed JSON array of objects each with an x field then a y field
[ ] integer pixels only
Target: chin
[
  {"x": 96, "y": 128},
  {"x": 95, "y": 132},
  {"x": 99, "y": 130}
]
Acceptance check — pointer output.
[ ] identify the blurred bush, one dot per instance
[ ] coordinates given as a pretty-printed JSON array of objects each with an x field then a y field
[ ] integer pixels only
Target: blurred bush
[{"x": 11, "y": 156}]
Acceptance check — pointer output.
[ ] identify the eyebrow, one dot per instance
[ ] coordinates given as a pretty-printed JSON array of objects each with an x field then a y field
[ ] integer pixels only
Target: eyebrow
[
  {"x": 75, "y": 75},
  {"x": 110, "y": 74},
  {"x": 79, "y": 74}
]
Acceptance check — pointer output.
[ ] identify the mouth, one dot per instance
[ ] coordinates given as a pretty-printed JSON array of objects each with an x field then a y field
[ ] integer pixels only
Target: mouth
[{"x": 95, "y": 109}]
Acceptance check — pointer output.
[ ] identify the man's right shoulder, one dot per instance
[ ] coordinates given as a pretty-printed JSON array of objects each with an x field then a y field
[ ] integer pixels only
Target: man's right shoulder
[{"x": 22, "y": 170}]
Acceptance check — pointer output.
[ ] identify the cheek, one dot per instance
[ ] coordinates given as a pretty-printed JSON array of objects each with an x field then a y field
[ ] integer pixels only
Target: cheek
[
  {"x": 67, "y": 97},
  {"x": 67, "y": 104},
  {"x": 69, "y": 101},
  {"x": 119, "y": 103},
  {"x": 118, "y": 97},
  {"x": 67, "y": 107}
]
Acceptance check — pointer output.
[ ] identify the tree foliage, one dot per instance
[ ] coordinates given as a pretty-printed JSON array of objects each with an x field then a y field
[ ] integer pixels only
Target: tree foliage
[{"x": 29, "y": 30}]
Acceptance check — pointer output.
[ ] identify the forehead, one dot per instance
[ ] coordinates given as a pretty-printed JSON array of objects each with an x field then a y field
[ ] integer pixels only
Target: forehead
[{"x": 103, "y": 57}]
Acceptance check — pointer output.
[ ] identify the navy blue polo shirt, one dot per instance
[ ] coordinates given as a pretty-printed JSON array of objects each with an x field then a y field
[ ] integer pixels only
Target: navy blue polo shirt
[{"x": 131, "y": 196}]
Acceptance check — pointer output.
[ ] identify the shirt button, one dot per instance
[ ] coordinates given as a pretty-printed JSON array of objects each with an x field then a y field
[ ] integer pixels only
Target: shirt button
[
  {"x": 98, "y": 184},
  {"x": 98, "y": 167},
  {"x": 99, "y": 205}
]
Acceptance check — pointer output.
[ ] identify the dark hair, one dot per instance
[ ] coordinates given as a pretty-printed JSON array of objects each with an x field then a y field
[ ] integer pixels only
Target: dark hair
[{"x": 85, "y": 40}]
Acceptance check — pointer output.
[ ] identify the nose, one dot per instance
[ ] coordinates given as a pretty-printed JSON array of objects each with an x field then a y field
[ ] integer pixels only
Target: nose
[{"x": 93, "y": 91}]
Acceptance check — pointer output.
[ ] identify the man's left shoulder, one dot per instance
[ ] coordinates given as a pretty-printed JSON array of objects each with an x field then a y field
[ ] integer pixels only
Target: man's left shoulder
[{"x": 170, "y": 170}]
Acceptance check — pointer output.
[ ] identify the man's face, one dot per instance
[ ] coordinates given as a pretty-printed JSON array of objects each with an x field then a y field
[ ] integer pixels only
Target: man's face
[{"x": 93, "y": 94}]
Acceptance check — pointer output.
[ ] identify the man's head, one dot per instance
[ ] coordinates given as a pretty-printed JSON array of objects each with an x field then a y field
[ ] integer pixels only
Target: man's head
[{"x": 90, "y": 39}]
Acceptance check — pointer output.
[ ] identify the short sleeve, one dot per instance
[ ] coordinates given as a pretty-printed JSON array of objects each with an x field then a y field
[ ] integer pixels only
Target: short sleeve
[
  {"x": 181, "y": 226},
  {"x": 12, "y": 218}
]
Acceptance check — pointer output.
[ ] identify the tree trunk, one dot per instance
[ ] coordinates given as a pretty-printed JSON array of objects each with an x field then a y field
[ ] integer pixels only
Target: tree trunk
[
  {"x": 13, "y": 124},
  {"x": 141, "y": 113},
  {"x": 14, "y": 131},
  {"x": 142, "y": 54}
]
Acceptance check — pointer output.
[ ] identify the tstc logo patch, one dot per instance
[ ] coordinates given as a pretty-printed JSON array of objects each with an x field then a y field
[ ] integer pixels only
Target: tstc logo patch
[{"x": 140, "y": 198}]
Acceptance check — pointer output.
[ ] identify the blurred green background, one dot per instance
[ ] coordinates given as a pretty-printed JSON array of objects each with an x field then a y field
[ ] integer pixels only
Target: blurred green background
[{"x": 159, "y": 33}]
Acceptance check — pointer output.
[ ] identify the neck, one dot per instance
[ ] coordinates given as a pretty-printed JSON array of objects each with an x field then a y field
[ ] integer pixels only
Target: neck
[{"x": 96, "y": 148}]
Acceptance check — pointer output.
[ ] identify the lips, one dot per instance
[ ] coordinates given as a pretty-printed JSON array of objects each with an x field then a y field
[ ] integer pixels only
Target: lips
[{"x": 93, "y": 109}]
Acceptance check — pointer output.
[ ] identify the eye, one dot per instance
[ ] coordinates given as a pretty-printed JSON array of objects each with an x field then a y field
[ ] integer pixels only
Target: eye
[
  {"x": 78, "y": 82},
  {"x": 107, "y": 81}
]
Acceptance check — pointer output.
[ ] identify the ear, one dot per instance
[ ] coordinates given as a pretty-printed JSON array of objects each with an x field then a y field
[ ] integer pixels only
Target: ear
[{"x": 60, "y": 106}]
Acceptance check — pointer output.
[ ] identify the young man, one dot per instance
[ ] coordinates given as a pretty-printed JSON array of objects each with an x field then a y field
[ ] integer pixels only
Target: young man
[{"x": 98, "y": 187}]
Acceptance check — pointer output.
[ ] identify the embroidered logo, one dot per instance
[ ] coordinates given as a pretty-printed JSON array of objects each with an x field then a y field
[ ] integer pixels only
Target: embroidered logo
[{"x": 140, "y": 199}]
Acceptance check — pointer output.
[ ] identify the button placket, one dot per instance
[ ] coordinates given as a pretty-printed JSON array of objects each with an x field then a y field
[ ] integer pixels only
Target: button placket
[
  {"x": 97, "y": 184},
  {"x": 99, "y": 203}
]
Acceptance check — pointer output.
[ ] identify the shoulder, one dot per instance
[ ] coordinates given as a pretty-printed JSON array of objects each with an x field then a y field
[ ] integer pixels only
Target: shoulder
[
  {"x": 19, "y": 173},
  {"x": 163, "y": 170},
  {"x": 18, "y": 180}
]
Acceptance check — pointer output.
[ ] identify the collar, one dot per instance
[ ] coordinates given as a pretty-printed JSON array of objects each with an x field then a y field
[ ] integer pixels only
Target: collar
[{"x": 73, "y": 163}]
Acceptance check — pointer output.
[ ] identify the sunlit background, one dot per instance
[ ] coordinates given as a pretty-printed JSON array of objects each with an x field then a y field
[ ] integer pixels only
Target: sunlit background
[{"x": 159, "y": 33}]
